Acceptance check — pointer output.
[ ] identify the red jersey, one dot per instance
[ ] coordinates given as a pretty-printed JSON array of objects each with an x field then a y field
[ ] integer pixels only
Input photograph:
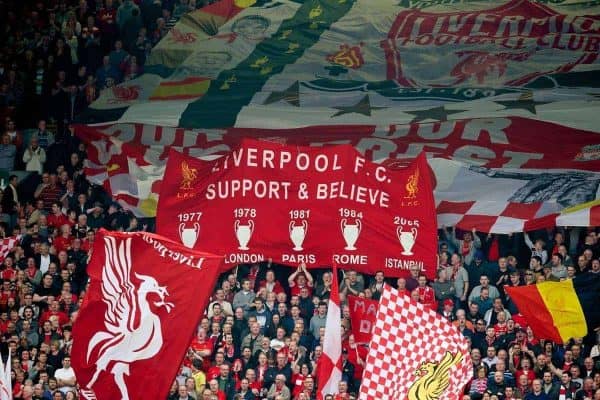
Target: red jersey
[
  {"x": 9, "y": 274},
  {"x": 3, "y": 326},
  {"x": 86, "y": 245},
  {"x": 274, "y": 287},
  {"x": 298, "y": 382},
  {"x": 206, "y": 345},
  {"x": 62, "y": 317},
  {"x": 56, "y": 221},
  {"x": 62, "y": 243},
  {"x": 530, "y": 375},
  {"x": 500, "y": 329},
  {"x": 213, "y": 373},
  {"x": 295, "y": 290},
  {"x": 220, "y": 395},
  {"x": 427, "y": 296},
  {"x": 4, "y": 296}
]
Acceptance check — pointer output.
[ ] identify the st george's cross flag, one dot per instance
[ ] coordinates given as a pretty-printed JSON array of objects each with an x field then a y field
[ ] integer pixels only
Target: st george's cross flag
[
  {"x": 329, "y": 366},
  {"x": 414, "y": 354}
]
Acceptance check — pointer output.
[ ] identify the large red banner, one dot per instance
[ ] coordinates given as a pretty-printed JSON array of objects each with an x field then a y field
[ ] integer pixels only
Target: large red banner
[
  {"x": 302, "y": 205},
  {"x": 139, "y": 314}
]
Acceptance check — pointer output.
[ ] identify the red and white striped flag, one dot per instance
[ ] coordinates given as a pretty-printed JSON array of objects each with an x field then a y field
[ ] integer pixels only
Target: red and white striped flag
[
  {"x": 5, "y": 379},
  {"x": 6, "y": 245},
  {"x": 415, "y": 353},
  {"x": 329, "y": 366}
]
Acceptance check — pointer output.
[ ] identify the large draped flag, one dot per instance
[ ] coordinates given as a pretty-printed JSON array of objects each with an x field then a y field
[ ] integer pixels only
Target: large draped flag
[
  {"x": 329, "y": 365},
  {"x": 488, "y": 89},
  {"x": 6, "y": 379},
  {"x": 415, "y": 353},
  {"x": 140, "y": 313},
  {"x": 559, "y": 311}
]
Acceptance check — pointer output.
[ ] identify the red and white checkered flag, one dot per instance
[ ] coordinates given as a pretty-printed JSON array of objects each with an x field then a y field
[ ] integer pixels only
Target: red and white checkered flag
[{"x": 415, "y": 354}]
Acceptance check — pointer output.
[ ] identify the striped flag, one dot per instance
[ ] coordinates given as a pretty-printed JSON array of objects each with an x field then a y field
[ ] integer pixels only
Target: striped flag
[
  {"x": 6, "y": 245},
  {"x": 5, "y": 379},
  {"x": 329, "y": 366}
]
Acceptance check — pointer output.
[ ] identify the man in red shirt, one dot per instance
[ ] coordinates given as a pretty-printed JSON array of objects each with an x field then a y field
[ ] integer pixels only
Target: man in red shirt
[
  {"x": 56, "y": 218},
  {"x": 342, "y": 393},
  {"x": 63, "y": 241},
  {"x": 426, "y": 293},
  {"x": 48, "y": 191},
  {"x": 55, "y": 313},
  {"x": 270, "y": 284},
  {"x": 9, "y": 273},
  {"x": 299, "y": 279},
  {"x": 202, "y": 348},
  {"x": 213, "y": 385}
]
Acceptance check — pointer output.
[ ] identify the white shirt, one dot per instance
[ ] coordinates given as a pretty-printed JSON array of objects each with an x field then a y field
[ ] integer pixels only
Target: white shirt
[{"x": 64, "y": 374}]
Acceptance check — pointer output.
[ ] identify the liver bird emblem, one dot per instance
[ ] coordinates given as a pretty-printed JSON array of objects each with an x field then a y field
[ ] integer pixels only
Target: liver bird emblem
[
  {"x": 188, "y": 175},
  {"x": 434, "y": 378},
  {"x": 412, "y": 186},
  {"x": 133, "y": 331}
]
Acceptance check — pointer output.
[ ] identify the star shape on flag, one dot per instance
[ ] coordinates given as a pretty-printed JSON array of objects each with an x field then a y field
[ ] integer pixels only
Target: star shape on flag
[
  {"x": 439, "y": 113},
  {"x": 363, "y": 107},
  {"x": 291, "y": 95},
  {"x": 523, "y": 102}
]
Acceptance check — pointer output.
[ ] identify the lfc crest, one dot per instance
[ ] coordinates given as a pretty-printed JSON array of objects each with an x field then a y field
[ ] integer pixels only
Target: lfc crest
[
  {"x": 182, "y": 37},
  {"x": 188, "y": 176},
  {"x": 349, "y": 57},
  {"x": 433, "y": 378},
  {"x": 123, "y": 94},
  {"x": 412, "y": 186}
]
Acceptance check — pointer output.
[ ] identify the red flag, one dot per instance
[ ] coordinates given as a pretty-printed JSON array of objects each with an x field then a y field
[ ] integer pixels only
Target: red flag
[
  {"x": 302, "y": 205},
  {"x": 146, "y": 296},
  {"x": 414, "y": 353},
  {"x": 363, "y": 313},
  {"x": 329, "y": 367}
]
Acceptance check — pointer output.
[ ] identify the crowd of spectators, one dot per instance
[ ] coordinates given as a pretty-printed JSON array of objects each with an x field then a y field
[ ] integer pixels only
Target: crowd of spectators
[
  {"x": 263, "y": 331},
  {"x": 56, "y": 56},
  {"x": 55, "y": 59},
  {"x": 262, "y": 334}
]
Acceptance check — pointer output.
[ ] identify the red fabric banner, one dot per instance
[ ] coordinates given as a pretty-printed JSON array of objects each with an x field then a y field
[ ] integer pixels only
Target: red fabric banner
[
  {"x": 302, "y": 205},
  {"x": 363, "y": 313},
  {"x": 139, "y": 315}
]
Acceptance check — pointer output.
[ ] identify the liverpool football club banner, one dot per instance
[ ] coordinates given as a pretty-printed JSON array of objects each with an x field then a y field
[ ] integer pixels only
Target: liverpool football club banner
[
  {"x": 139, "y": 315},
  {"x": 302, "y": 205}
]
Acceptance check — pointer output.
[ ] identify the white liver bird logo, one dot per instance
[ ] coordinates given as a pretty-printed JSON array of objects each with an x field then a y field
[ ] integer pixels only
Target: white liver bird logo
[{"x": 133, "y": 331}]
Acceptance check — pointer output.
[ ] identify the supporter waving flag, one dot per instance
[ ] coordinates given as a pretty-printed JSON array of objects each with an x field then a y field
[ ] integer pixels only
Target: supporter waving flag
[
  {"x": 139, "y": 314},
  {"x": 329, "y": 367}
]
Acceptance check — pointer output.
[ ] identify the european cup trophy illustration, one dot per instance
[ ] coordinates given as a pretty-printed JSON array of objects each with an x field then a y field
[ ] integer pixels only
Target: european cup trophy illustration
[
  {"x": 350, "y": 233},
  {"x": 189, "y": 236},
  {"x": 407, "y": 240},
  {"x": 243, "y": 233},
  {"x": 297, "y": 234}
]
